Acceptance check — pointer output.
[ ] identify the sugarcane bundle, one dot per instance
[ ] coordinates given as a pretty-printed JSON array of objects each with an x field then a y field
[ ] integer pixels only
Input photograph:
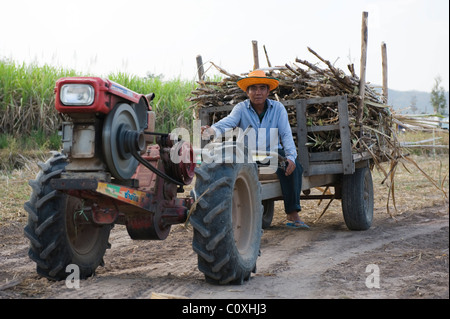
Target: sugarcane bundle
[{"x": 304, "y": 80}]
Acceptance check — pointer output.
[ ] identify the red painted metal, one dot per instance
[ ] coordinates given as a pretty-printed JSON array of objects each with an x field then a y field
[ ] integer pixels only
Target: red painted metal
[
  {"x": 147, "y": 203},
  {"x": 104, "y": 216},
  {"x": 107, "y": 94},
  {"x": 147, "y": 179}
]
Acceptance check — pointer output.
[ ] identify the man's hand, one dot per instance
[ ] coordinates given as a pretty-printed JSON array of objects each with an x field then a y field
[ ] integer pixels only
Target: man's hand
[
  {"x": 290, "y": 167},
  {"x": 207, "y": 132}
]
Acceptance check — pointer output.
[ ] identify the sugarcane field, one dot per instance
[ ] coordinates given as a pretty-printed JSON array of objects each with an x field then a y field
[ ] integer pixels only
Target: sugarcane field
[{"x": 341, "y": 124}]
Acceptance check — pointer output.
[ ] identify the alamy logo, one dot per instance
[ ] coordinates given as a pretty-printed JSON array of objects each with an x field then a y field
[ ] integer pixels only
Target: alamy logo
[
  {"x": 73, "y": 279},
  {"x": 373, "y": 280},
  {"x": 262, "y": 145}
]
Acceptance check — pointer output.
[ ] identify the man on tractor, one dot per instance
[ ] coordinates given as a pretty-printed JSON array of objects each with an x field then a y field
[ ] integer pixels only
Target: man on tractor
[{"x": 260, "y": 112}]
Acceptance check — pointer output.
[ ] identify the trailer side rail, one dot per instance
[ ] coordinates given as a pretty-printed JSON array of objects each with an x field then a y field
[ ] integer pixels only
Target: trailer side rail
[{"x": 313, "y": 163}]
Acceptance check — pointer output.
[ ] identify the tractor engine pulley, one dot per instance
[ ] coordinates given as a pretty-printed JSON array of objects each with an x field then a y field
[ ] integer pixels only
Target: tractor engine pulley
[
  {"x": 123, "y": 141},
  {"x": 118, "y": 155}
]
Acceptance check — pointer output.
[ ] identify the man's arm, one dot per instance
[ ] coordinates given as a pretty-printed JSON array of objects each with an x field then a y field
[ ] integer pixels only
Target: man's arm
[
  {"x": 285, "y": 133},
  {"x": 227, "y": 123}
]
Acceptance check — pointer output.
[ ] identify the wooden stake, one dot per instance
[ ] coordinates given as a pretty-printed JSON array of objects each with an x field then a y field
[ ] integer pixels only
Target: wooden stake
[
  {"x": 385, "y": 71},
  {"x": 200, "y": 70},
  {"x": 362, "y": 81},
  {"x": 267, "y": 57},
  {"x": 255, "y": 55}
]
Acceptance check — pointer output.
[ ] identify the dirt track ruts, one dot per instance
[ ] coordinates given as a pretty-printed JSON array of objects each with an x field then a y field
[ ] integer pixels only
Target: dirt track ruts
[{"x": 327, "y": 261}]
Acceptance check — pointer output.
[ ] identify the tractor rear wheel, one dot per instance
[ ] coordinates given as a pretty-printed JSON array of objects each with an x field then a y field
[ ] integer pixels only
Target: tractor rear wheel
[
  {"x": 58, "y": 228},
  {"x": 227, "y": 221},
  {"x": 357, "y": 199}
]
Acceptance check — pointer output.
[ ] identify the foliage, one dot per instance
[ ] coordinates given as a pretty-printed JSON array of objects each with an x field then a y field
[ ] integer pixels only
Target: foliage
[
  {"x": 438, "y": 100},
  {"x": 170, "y": 104},
  {"x": 26, "y": 98},
  {"x": 28, "y": 116}
]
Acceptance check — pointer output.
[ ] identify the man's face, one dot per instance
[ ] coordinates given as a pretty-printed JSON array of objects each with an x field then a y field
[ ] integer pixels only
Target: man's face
[{"x": 258, "y": 93}]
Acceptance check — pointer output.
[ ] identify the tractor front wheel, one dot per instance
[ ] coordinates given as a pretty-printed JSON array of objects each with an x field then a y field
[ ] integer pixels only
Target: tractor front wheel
[{"x": 59, "y": 230}]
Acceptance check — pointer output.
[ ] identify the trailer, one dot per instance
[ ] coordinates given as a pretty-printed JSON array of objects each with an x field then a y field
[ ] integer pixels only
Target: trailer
[{"x": 348, "y": 173}]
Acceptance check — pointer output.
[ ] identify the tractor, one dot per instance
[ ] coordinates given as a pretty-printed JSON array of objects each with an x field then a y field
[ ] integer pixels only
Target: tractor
[{"x": 113, "y": 168}]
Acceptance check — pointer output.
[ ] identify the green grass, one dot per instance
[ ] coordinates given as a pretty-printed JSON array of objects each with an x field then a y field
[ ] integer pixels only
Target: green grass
[
  {"x": 29, "y": 121},
  {"x": 27, "y": 98},
  {"x": 170, "y": 104}
]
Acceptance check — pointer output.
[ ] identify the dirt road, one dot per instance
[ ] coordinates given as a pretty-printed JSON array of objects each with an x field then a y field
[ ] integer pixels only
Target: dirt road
[{"x": 404, "y": 258}]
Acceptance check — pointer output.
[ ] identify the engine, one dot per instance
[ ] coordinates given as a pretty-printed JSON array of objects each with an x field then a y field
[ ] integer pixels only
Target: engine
[{"x": 107, "y": 129}]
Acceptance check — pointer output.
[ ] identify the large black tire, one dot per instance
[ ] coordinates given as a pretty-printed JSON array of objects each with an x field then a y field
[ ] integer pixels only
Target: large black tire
[
  {"x": 57, "y": 228},
  {"x": 357, "y": 199},
  {"x": 227, "y": 221}
]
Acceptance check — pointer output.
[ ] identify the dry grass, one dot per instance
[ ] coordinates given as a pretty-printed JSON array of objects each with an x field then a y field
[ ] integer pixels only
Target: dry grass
[
  {"x": 414, "y": 136},
  {"x": 441, "y": 140},
  {"x": 412, "y": 190},
  {"x": 16, "y": 191}
]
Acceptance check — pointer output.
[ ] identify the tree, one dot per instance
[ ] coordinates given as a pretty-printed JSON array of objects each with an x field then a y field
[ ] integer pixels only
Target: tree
[{"x": 438, "y": 100}]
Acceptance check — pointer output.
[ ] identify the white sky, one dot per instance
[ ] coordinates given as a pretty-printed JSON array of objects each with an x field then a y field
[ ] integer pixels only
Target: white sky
[{"x": 165, "y": 36}]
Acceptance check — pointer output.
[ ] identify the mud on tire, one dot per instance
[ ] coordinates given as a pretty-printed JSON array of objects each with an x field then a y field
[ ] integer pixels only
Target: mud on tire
[
  {"x": 227, "y": 221},
  {"x": 56, "y": 237}
]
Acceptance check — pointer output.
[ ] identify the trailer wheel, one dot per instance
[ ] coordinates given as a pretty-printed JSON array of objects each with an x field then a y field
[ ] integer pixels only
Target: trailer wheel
[
  {"x": 267, "y": 218},
  {"x": 57, "y": 228},
  {"x": 357, "y": 199},
  {"x": 227, "y": 221}
]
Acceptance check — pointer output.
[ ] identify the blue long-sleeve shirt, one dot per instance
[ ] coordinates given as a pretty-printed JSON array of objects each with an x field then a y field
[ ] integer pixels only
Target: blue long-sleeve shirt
[{"x": 244, "y": 115}]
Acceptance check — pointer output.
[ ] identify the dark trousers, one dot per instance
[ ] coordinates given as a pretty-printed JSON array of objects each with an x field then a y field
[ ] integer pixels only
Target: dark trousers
[{"x": 291, "y": 186}]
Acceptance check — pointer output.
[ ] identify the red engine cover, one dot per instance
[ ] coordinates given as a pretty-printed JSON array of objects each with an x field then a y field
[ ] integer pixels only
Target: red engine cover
[{"x": 107, "y": 94}]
